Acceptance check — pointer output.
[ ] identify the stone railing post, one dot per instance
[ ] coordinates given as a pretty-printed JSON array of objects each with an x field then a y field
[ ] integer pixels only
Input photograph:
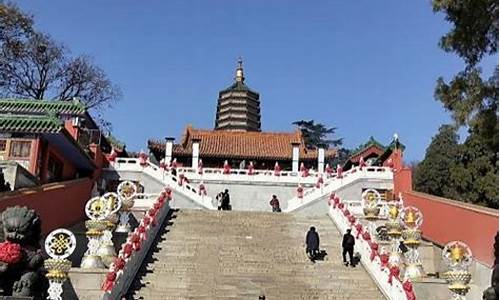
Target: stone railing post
[
  {"x": 321, "y": 159},
  {"x": 169, "y": 145},
  {"x": 196, "y": 153},
  {"x": 295, "y": 157}
]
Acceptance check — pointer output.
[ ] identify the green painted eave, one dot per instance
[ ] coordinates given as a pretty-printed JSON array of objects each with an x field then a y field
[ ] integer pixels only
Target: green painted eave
[
  {"x": 32, "y": 106},
  {"x": 30, "y": 124},
  {"x": 371, "y": 142}
]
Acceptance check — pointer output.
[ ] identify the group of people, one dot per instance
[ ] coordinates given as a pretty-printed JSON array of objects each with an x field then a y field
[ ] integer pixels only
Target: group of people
[
  {"x": 223, "y": 200},
  {"x": 312, "y": 246}
]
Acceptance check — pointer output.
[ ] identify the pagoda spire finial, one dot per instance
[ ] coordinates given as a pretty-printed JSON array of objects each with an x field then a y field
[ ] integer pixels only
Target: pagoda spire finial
[{"x": 239, "y": 71}]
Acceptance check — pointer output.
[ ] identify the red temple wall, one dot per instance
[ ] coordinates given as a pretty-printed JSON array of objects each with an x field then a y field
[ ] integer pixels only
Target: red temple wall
[
  {"x": 446, "y": 220},
  {"x": 58, "y": 204}
]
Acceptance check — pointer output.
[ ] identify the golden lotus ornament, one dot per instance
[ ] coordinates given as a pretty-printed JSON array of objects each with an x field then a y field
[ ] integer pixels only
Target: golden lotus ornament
[
  {"x": 458, "y": 256},
  {"x": 370, "y": 202},
  {"x": 57, "y": 268}
]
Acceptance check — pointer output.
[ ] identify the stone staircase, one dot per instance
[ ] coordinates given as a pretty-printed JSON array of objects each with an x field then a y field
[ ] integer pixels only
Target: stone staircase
[{"x": 239, "y": 255}]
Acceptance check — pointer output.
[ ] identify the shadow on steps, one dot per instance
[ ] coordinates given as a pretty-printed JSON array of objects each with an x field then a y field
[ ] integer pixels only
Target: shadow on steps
[{"x": 149, "y": 259}]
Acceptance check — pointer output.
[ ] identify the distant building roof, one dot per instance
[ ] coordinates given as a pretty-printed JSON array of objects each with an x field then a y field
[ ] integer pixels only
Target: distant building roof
[
  {"x": 30, "y": 106},
  {"x": 242, "y": 145}
]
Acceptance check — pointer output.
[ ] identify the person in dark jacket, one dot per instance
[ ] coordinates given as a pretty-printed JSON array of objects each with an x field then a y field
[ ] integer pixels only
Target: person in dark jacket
[
  {"x": 226, "y": 200},
  {"x": 312, "y": 243},
  {"x": 275, "y": 204},
  {"x": 348, "y": 247}
]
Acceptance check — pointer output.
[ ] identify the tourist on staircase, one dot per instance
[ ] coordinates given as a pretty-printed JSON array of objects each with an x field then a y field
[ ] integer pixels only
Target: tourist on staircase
[
  {"x": 226, "y": 202},
  {"x": 218, "y": 200},
  {"x": 348, "y": 247},
  {"x": 312, "y": 243},
  {"x": 275, "y": 204}
]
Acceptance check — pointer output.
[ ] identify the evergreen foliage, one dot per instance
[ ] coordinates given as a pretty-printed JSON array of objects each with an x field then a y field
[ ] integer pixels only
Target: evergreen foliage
[{"x": 472, "y": 167}]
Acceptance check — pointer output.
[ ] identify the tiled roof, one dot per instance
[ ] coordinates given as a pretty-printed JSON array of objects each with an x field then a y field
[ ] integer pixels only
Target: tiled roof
[
  {"x": 30, "y": 124},
  {"x": 371, "y": 142},
  {"x": 238, "y": 86},
  {"x": 27, "y": 106},
  {"x": 245, "y": 145}
]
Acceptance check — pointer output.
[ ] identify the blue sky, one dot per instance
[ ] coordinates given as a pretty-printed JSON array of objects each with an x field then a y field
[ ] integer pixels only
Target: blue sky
[{"x": 366, "y": 67}]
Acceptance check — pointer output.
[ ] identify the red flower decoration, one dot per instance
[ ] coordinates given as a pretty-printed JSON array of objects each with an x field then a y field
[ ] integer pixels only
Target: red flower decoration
[
  {"x": 393, "y": 272},
  {"x": 146, "y": 220},
  {"x": 384, "y": 260},
  {"x": 374, "y": 247},
  {"x": 352, "y": 219},
  {"x": 366, "y": 236},
  {"x": 127, "y": 250},
  {"x": 341, "y": 205},
  {"x": 347, "y": 212},
  {"x": 109, "y": 282},
  {"x": 10, "y": 253},
  {"x": 119, "y": 263},
  {"x": 408, "y": 288}
]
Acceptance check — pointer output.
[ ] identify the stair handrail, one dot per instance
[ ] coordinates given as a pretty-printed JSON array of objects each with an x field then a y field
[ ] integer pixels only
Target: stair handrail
[
  {"x": 124, "y": 269},
  {"x": 387, "y": 278},
  {"x": 134, "y": 164},
  {"x": 334, "y": 183}
]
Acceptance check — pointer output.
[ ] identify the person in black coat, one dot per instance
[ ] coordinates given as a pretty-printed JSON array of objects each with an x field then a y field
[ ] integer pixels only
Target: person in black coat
[
  {"x": 226, "y": 200},
  {"x": 348, "y": 247},
  {"x": 312, "y": 243}
]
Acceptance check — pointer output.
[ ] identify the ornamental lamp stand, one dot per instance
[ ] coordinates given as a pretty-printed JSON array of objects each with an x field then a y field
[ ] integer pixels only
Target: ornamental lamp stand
[
  {"x": 411, "y": 219},
  {"x": 106, "y": 248},
  {"x": 59, "y": 245},
  {"x": 127, "y": 190},
  {"x": 370, "y": 203},
  {"x": 394, "y": 232},
  {"x": 91, "y": 258},
  {"x": 458, "y": 256},
  {"x": 96, "y": 210}
]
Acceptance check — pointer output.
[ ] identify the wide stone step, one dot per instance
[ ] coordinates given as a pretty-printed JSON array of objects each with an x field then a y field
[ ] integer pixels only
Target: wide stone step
[{"x": 239, "y": 255}]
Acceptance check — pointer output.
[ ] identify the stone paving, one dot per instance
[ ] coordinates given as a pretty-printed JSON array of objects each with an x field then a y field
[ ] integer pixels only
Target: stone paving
[{"x": 240, "y": 255}]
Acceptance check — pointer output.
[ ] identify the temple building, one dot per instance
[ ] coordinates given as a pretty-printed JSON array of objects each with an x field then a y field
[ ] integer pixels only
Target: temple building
[
  {"x": 48, "y": 141},
  {"x": 238, "y": 138},
  {"x": 375, "y": 153}
]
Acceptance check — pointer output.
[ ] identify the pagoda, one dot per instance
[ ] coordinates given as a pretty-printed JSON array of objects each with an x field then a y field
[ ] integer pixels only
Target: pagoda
[{"x": 238, "y": 107}]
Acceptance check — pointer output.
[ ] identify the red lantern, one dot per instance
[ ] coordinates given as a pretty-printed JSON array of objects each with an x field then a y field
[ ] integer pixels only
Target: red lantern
[
  {"x": 227, "y": 168},
  {"x": 143, "y": 159},
  {"x": 277, "y": 169},
  {"x": 250, "y": 168},
  {"x": 300, "y": 192},
  {"x": 328, "y": 170},
  {"x": 339, "y": 171}
]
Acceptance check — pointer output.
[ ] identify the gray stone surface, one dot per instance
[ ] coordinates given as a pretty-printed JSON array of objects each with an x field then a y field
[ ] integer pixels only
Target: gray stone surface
[{"x": 239, "y": 255}]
